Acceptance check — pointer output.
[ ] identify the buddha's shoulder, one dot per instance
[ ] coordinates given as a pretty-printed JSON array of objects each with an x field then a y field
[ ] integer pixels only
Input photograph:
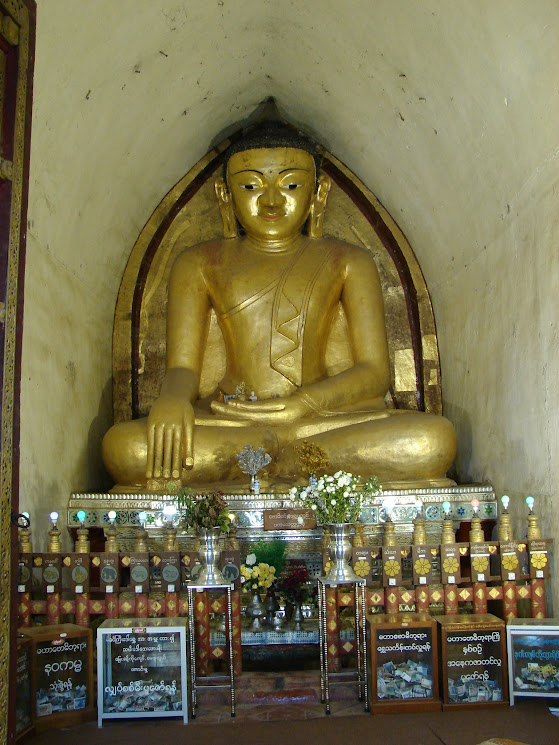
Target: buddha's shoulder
[
  {"x": 201, "y": 254},
  {"x": 345, "y": 251}
]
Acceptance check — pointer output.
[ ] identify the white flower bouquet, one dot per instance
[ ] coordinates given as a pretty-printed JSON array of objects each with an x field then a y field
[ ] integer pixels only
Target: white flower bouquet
[{"x": 335, "y": 499}]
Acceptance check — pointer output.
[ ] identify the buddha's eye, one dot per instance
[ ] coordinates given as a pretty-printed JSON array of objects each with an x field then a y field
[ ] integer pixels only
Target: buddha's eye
[
  {"x": 293, "y": 186},
  {"x": 248, "y": 187}
]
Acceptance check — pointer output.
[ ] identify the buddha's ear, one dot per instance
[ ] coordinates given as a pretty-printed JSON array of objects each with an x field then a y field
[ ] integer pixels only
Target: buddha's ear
[
  {"x": 226, "y": 209},
  {"x": 318, "y": 206}
]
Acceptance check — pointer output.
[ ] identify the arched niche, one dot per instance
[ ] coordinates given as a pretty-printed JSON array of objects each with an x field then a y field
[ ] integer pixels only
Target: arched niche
[{"x": 189, "y": 214}]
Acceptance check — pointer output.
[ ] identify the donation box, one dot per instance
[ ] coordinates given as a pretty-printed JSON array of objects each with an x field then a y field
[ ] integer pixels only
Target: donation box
[
  {"x": 473, "y": 661},
  {"x": 141, "y": 668},
  {"x": 533, "y": 648},
  {"x": 61, "y": 674},
  {"x": 403, "y": 662}
]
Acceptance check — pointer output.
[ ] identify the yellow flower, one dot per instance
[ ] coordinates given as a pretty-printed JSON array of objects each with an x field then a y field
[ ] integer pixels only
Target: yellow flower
[
  {"x": 262, "y": 566},
  {"x": 422, "y": 566},
  {"x": 538, "y": 560},
  {"x": 450, "y": 565},
  {"x": 391, "y": 568},
  {"x": 480, "y": 563},
  {"x": 328, "y": 566},
  {"x": 362, "y": 568},
  {"x": 255, "y": 573},
  {"x": 510, "y": 562}
]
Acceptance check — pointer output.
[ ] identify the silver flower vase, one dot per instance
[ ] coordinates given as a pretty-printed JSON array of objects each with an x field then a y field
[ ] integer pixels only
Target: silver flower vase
[
  {"x": 256, "y": 611},
  {"x": 209, "y": 553},
  {"x": 340, "y": 554}
]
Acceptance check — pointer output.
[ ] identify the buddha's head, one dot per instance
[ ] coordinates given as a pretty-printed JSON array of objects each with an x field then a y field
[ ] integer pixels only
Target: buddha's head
[{"x": 270, "y": 185}]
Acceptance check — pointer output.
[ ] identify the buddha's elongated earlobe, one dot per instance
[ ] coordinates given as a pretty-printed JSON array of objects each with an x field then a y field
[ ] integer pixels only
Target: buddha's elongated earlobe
[
  {"x": 226, "y": 209},
  {"x": 318, "y": 206}
]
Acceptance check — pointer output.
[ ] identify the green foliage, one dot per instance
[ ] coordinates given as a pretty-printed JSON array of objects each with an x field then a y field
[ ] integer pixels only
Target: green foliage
[
  {"x": 270, "y": 552},
  {"x": 202, "y": 511}
]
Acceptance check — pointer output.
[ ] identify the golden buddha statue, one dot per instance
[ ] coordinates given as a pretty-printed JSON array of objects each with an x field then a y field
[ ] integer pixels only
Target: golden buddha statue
[{"x": 275, "y": 288}]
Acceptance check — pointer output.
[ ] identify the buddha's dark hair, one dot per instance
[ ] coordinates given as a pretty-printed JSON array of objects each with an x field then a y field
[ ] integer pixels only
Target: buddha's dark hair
[{"x": 271, "y": 134}]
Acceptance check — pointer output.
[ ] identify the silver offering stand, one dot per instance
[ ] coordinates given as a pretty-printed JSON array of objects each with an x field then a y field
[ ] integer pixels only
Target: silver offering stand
[
  {"x": 215, "y": 681},
  {"x": 359, "y": 676}
]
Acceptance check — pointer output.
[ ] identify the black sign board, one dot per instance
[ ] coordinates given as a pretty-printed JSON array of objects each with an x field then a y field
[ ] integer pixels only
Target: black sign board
[
  {"x": 79, "y": 572},
  {"x": 170, "y": 567},
  {"x": 109, "y": 572},
  {"x": 230, "y": 565},
  {"x": 479, "y": 559},
  {"x": 51, "y": 572},
  {"x": 422, "y": 567},
  {"x": 450, "y": 564},
  {"x": 510, "y": 562},
  {"x": 391, "y": 566},
  {"x": 139, "y": 572},
  {"x": 25, "y": 573},
  {"x": 362, "y": 563},
  {"x": 539, "y": 560}
]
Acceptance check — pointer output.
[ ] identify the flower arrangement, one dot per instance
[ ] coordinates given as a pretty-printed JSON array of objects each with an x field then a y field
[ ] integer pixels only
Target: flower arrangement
[
  {"x": 256, "y": 576},
  {"x": 335, "y": 499},
  {"x": 206, "y": 510},
  {"x": 312, "y": 457},
  {"x": 293, "y": 586}
]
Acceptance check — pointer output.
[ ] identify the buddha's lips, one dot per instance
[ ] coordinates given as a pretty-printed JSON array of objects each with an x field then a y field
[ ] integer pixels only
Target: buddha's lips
[{"x": 271, "y": 217}]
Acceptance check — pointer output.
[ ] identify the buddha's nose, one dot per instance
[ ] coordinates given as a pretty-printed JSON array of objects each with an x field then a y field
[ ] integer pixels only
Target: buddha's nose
[{"x": 272, "y": 198}]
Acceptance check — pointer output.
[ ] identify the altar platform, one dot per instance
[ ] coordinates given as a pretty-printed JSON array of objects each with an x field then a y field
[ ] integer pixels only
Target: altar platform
[{"x": 304, "y": 544}]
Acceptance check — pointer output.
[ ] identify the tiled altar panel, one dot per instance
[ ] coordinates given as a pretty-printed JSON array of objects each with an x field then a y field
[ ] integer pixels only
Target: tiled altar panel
[{"x": 250, "y": 508}]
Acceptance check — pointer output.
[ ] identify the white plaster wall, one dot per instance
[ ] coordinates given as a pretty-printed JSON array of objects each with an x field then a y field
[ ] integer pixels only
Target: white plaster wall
[{"x": 447, "y": 110}]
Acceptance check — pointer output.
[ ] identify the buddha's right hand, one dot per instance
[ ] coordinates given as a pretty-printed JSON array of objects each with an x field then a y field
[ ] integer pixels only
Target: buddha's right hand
[{"x": 170, "y": 429}]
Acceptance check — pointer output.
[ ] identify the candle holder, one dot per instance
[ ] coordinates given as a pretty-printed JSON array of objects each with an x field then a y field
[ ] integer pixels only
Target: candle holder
[
  {"x": 111, "y": 543},
  {"x": 140, "y": 544},
  {"x": 24, "y": 534},
  {"x": 448, "y": 536},
  {"x": 419, "y": 537},
  {"x": 476, "y": 532},
  {"x": 534, "y": 530},
  {"x": 82, "y": 545},
  {"x": 53, "y": 546},
  {"x": 505, "y": 524}
]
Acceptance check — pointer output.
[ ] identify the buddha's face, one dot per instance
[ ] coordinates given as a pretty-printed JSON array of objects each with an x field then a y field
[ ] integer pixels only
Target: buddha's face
[{"x": 272, "y": 190}]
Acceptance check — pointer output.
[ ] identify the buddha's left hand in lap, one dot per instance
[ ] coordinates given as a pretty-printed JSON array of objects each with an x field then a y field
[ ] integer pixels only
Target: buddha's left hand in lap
[{"x": 272, "y": 412}]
